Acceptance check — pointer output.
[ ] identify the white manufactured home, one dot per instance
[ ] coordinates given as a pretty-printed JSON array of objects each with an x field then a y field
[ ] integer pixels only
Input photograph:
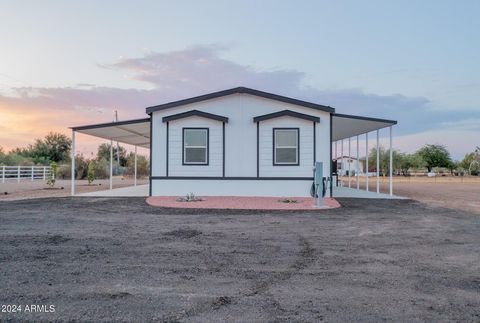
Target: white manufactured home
[
  {"x": 348, "y": 165},
  {"x": 236, "y": 142}
]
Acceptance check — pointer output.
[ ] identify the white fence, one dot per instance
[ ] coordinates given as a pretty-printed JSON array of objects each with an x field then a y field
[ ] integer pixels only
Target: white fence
[{"x": 24, "y": 172}]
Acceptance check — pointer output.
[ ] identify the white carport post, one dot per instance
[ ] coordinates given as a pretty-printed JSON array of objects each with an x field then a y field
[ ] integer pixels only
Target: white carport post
[
  {"x": 378, "y": 162},
  {"x": 341, "y": 165},
  {"x": 348, "y": 161},
  {"x": 135, "y": 172},
  {"x": 111, "y": 164},
  {"x": 72, "y": 179},
  {"x": 391, "y": 163},
  {"x": 336, "y": 142},
  {"x": 357, "y": 167},
  {"x": 366, "y": 161}
]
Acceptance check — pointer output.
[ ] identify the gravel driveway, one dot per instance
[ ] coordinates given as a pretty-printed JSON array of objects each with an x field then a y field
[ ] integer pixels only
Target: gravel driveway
[{"x": 103, "y": 259}]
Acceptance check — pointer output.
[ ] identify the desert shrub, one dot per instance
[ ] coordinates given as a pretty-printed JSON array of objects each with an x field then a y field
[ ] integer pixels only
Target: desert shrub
[
  {"x": 101, "y": 168},
  {"x": 191, "y": 197},
  {"x": 52, "y": 175},
  {"x": 14, "y": 159},
  {"x": 63, "y": 171},
  {"x": 90, "y": 172},
  {"x": 143, "y": 168},
  {"x": 81, "y": 167},
  {"x": 119, "y": 153},
  {"x": 287, "y": 200}
]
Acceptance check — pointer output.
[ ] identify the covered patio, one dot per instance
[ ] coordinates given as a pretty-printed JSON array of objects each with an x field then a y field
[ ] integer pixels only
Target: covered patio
[
  {"x": 346, "y": 128},
  {"x": 132, "y": 132}
]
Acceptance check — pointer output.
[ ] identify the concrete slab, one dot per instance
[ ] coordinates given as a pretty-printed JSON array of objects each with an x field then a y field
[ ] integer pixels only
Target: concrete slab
[
  {"x": 352, "y": 192},
  {"x": 139, "y": 190}
]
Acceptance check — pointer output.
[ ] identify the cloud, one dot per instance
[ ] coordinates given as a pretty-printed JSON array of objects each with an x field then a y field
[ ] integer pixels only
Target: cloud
[
  {"x": 198, "y": 70},
  {"x": 201, "y": 69}
]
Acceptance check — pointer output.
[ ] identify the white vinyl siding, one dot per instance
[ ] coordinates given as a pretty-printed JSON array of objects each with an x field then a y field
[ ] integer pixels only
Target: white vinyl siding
[
  {"x": 304, "y": 167},
  {"x": 176, "y": 167},
  {"x": 240, "y": 141}
]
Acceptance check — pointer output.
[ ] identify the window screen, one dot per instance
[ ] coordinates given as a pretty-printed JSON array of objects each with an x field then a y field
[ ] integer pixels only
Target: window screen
[
  {"x": 286, "y": 150},
  {"x": 195, "y": 146}
]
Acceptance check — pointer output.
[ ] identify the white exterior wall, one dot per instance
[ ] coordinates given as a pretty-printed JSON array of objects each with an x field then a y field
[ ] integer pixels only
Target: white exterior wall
[
  {"x": 240, "y": 142},
  {"x": 305, "y": 169},
  {"x": 215, "y": 148},
  {"x": 280, "y": 188},
  {"x": 342, "y": 167}
]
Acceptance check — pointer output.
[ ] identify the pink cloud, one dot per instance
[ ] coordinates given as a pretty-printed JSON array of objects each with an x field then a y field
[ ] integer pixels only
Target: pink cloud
[{"x": 32, "y": 112}]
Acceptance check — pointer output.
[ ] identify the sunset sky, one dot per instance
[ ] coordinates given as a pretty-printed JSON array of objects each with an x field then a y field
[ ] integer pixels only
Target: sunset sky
[{"x": 69, "y": 63}]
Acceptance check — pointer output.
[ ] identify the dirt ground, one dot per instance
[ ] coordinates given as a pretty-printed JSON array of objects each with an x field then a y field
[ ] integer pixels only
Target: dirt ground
[
  {"x": 104, "y": 259},
  {"x": 452, "y": 192},
  {"x": 27, "y": 189}
]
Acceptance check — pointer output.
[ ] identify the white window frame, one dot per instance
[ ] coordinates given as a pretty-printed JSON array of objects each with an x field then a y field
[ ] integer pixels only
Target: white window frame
[
  {"x": 297, "y": 147},
  {"x": 184, "y": 146}
]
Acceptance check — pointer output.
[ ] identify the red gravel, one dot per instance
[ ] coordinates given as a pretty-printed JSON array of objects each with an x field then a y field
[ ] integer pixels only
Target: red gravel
[{"x": 241, "y": 203}]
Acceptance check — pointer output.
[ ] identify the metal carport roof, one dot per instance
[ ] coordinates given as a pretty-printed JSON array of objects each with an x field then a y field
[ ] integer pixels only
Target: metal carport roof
[
  {"x": 137, "y": 132},
  {"x": 134, "y": 132},
  {"x": 346, "y": 126}
]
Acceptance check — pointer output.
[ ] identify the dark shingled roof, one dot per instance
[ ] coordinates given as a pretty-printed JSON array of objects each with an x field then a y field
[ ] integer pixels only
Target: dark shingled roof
[{"x": 241, "y": 89}]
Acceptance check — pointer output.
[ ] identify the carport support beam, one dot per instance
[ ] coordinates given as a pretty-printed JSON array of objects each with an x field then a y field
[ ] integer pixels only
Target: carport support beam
[
  {"x": 341, "y": 165},
  {"x": 391, "y": 163},
  {"x": 111, "y": 164},
  {"x": 349, "y": 164},
  {"x": 357, "y": 167},
  {"x": 378, "y": 162},
  {"x": 135, "y": 173},
  {"x": 334, "y": 158},
  {"x": 366, "y": 161},
  {"x": 72, "y": 178}
]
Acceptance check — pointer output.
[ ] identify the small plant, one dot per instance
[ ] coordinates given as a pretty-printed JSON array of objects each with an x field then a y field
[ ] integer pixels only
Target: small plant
[
  {"x": 189, "y": 198},
  {"x": 52, "y": 174},
  {"x": 90, "y": 172},
  {"x": 288, "y": 201}
]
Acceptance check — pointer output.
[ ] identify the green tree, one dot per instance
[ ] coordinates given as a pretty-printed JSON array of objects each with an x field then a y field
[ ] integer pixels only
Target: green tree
[
  {"x": 2, "y": 156},
  {"x": 58, "y": 146},
  {"x": 452, "y": 165},
  {"x": 397, "y": 160},
  {"x": 471, "y": 163},
  {"x": 103, "y": 152},
  {"x": 54, "y": 147},
  {"x": 410, "y": 161},
  {"x": 417, "y": 161},
  {"x": 405, "y": 163},
  {"x": 435, "y": 156}
]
